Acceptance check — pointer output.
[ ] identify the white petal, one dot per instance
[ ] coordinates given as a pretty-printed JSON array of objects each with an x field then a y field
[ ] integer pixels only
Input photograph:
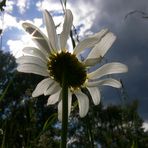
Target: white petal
[
  {"x": 32, "y": 68},
  {"x": 66, "y": 29},
  {"x": 52, "y": 89},
  {"x": 102, "y": 47},
  {"x": 83, "y": 103},
  {"x": 51, "y": 30},
  {"x": 110, "y": 68},
  {"x": 85, "y": 44},
  {"x": 35, "y": 52},
  {"x": 69, "y": 106},
  {"x": 95, "y": 94},
  {"x": 41, "y": 87},
  {"x": 90, "y": 42},
  {"x": 99, "y": 35},
  {"x": 60, "y": 110},
  {"x": 107, "y": 81},
  {"x": 54, "y": 98},
  {"x": 91, "y": 62},
  {"x": 69, "y": 102},
  {"x": 32, "y": 60},
  {"x": 38, "y": 37}
]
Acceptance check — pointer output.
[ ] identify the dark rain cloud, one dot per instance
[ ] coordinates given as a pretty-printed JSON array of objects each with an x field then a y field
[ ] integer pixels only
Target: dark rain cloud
[{"x": 131, "y": 46}]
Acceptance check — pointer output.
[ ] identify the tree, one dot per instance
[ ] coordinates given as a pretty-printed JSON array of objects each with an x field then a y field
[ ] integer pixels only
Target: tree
[
  {"x": 22, "y": 117},
  {"x": 114, "y": 126}
]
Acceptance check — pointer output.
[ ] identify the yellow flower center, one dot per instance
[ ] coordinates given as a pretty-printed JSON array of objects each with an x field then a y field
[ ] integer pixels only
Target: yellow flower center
[{"x": 68, "y": 64}]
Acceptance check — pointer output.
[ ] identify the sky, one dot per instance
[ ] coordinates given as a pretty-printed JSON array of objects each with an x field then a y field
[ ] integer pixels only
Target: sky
[{"x": 90, "y": 16}]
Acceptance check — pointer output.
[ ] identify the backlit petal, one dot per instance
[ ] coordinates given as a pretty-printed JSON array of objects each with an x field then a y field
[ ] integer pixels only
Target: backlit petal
[
  {"x": 110, "y": 68},
  {"x": 38, "y": 37},
  {"x": 95, "y": 94},
  {"x": 99, "y": 35},
  {"x": 69, "y": 106},
  {"x": 41, "y": 87},
  {"x": 69, "y": 102},
  {"x": 53, "y": 88},
  {"x": 51, "y": 30},
  {"x": 60, "y": 110},
  {"x": 83, "y": 103},
  {"x": 32, "y": 60},
  {"x": 102, "y": 47},
  {"x": 90, "y": 41},
  {"x": 91, "y": 62},
  {"x": 85, "y": 44},
  {"x": 35, "y": 52},
  {"x": 107, "y": 81},
  {"x": 33, "y": 68},
  {"x": 66, "y": 29},
  {"x": 54, "y": 98}
]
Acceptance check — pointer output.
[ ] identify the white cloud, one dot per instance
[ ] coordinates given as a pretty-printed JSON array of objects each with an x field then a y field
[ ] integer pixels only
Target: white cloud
[
  {"x": 8, "y": 18},
  {"x": 9, "y": 21},
  {"x": 38, "y": 21},
  {"x": 50, "y": 5},
  {"x": 145, "y": 126},
  {"x": 9, "y": 6},
  {"x": 84, "y": 13},
  {"x": 16, "y": 46},
  {"x": 23, "y": 5}
]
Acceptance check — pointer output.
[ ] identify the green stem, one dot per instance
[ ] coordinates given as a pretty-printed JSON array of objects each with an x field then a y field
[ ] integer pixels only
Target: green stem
[
  {"x": 90, "y": 133},
  {"x": 64, "y": 112}
]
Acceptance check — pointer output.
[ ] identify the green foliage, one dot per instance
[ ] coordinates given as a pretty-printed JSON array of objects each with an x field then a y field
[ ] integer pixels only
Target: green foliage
[
  {"x": 49, "y": 121},
  {"x": 114, "y": 126},
  {"x": 21, "y": 117},
  {"x": 2, "y": 4}
]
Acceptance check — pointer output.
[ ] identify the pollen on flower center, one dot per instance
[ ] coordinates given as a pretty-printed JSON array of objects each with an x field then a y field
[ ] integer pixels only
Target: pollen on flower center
[{"x": 68, "y": 64}]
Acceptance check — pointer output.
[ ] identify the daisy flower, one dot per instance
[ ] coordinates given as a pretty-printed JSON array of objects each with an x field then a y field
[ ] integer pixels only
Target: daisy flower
[{"x": 51, "y": 58}]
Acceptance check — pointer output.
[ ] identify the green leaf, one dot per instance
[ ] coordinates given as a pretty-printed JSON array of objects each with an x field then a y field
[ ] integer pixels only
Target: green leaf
[
  {"x": 49, "y": 121},
  {"x": 6, "y": 89},
  {"x": 134, "y": 145}
]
